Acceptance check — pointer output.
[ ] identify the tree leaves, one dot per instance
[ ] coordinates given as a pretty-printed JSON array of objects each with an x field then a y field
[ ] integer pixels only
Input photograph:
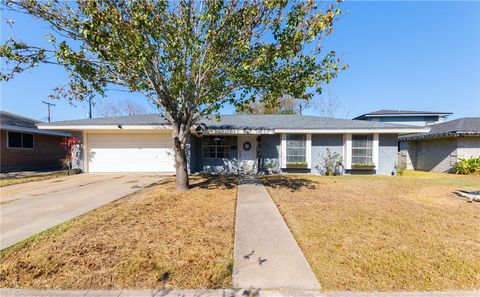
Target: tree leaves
[{"x": 189, "y": 57}]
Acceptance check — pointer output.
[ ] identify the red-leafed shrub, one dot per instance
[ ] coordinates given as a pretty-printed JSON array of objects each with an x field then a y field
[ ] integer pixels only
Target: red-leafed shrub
[{"x": 70, "y": 143}]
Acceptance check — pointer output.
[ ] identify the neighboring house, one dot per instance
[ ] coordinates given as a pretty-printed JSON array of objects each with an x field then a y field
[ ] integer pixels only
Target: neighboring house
[
  {"x": 439, "y": 149},
  {"x": 25, "y": 147},
  {"x": 237, "y": 143},
  {"x": 406, "y": 117}
]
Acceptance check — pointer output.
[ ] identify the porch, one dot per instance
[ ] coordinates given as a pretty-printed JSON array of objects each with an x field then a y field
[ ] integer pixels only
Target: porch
[{"x": 243, "y": 153}]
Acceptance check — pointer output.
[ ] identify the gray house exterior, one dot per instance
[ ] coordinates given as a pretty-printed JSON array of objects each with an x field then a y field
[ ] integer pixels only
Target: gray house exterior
[
  {"x": 439, "y": 149},
  {"x": 238, "y": 144}
]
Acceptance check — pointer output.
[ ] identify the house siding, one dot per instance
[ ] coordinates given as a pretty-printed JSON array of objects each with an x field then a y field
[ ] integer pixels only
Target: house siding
[
  {"x": 387, "y": 154},
  {"x": 320, "y": 144},
  {"x": 270, "y": 150},
  {"x": 215, "y": 165},
  {"x": 47, "y": 153}
]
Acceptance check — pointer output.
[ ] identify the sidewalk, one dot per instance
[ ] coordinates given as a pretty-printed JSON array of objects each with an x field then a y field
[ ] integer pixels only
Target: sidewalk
[
  {"x": 221, "y": 293},
  {"x": 265, "y": 252}
]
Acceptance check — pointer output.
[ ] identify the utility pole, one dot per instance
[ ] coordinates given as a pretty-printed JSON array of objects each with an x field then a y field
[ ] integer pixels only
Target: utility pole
[
  {"x": 48, "y": 104},
  {"x": 90, "y": 104}
]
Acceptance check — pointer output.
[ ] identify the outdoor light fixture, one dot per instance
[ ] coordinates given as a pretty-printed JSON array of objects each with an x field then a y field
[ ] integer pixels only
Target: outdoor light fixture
[{"x": 200, "y": 129}]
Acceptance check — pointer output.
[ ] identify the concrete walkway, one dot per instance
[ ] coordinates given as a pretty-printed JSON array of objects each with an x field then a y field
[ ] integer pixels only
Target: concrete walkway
[
  {"x": 266, "y": 254},
  {"x": 29, "y": 208}
]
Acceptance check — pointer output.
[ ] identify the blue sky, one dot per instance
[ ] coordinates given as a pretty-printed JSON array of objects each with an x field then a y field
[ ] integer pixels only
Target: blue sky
[{"x": 402, "y": 55}]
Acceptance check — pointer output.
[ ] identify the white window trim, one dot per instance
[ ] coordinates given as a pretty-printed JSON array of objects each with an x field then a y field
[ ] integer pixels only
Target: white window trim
[
  {"x": 347, "y": 150},
  {"x": 375, "y": 158},
  {"x": 21, "y": 148},
  {"x": 216, "y": 146},
  {"x": 308, "y": 150},
  {"x": 308, "y": 153}
]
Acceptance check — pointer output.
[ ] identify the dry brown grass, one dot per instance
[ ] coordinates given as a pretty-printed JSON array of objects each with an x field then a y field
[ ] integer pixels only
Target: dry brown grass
[
  {"x": 161, "y": 239},
  {"x": 21, "y": 180},
  {"x": 384, "y": 233}
]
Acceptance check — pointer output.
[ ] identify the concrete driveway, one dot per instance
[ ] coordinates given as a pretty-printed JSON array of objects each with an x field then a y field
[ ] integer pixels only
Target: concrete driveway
[{"x": 27, "y": 209}]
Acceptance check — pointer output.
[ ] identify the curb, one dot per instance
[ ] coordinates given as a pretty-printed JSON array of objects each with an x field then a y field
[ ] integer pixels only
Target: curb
[{"x": 221, "y": 293}]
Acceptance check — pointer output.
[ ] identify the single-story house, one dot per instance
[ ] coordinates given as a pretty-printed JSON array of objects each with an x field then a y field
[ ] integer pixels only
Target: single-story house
[
  {"x": 236, "y": 143},
  {"x": 25, "y": 147},
  {"x": 440, "y": 148},
  {"x": 405, "y": 117}
]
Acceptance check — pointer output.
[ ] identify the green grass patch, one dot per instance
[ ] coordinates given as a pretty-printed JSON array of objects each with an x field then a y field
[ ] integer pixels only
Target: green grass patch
[{"x": 21, "y": 180}]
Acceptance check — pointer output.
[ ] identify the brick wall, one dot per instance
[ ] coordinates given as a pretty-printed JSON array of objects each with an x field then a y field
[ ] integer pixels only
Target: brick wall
[
  {"x": 438, "y": 155},
  {"x": 47, "y": 154},
  {"x": 468, "y": 147}
]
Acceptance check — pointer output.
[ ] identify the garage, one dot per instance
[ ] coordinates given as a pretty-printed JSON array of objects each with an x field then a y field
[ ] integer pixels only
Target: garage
[{"x": 133, "y": 152}]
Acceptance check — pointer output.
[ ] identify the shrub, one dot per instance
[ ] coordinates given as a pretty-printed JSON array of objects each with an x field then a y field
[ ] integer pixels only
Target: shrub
[
  {"x": 468, "y": 166},
  {"x": 331, "y": 163}
]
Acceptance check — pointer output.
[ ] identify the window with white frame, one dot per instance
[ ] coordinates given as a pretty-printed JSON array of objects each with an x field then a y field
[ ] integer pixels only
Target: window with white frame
[
  {"x": 19, "y": 140},
  {"x": 362, "y": 149},
  {"x": 216, "y": 147},
  {"x": 296, "y": 148}
]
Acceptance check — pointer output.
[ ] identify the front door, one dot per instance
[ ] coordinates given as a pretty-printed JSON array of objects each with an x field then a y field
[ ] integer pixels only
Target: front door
[{"x": 247, "y": 153}]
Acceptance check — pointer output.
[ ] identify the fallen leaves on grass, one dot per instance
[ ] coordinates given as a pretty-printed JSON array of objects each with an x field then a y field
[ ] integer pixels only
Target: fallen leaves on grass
[
  {"x": 373, "y": 233},
  {"x": 166, "y": 239}
]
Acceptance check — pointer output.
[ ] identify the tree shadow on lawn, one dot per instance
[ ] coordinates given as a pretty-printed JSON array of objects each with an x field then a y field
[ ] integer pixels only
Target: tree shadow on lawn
[
  {"x": 291, "y": 183},
  {"x": 211, "y": 181}
]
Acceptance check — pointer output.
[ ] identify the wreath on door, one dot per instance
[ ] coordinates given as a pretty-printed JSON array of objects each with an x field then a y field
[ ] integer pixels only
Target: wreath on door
[{"x": 247, "y": 146}]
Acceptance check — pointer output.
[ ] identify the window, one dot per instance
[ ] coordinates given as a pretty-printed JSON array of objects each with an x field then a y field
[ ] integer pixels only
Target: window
[
  {"x": 362, "y": 149},
  {"x": 216, "y": 147},
  {"x": 19, "y": 140},
  {"x": 296, "y": 148}
]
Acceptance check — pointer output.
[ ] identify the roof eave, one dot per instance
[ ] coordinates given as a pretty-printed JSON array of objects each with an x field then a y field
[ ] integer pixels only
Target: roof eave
[
  {"x": 34, "y": 130},
  {"x": 104, "y": 127},
  {"x": 405, "y": 114}
]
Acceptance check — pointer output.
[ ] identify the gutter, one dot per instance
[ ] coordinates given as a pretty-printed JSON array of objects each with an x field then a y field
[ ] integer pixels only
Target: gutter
[{"x": 439, "y": 135}]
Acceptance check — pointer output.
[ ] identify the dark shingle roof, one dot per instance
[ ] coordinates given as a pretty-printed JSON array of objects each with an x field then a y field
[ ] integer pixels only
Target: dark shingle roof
[
  {"x": 143, "y": 119},
  {"x": 455, "y": 128},
  {"x": 241, "y": 121},
  {"x": 7, "y": 118},
  {"x": 293, "y": 122},
  {"x": 14, "y": 122},
  {"x": 390, "y": 112}
]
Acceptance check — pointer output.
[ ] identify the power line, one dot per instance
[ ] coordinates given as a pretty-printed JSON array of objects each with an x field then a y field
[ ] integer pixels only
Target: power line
[{"x": 49, "y": 105}]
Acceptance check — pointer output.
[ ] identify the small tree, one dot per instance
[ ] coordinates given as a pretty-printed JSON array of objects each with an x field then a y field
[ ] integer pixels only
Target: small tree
[
  {"x": 188, "y": 57},
  {"x": 284, "y": 105}
]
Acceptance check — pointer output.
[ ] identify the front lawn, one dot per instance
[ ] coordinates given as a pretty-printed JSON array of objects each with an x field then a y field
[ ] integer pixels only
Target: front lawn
[
  {"x": 374, "y": 233},
  {"x": 155, "y": 238}
]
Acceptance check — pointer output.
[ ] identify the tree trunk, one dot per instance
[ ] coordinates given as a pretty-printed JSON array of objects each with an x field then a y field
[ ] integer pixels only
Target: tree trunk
[
  {"x": 181, "y": 168},
  {"x": 180, "y": 135}
]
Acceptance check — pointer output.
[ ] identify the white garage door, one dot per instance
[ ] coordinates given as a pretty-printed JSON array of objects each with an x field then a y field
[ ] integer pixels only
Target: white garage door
[{"x": 130, "y": 153}]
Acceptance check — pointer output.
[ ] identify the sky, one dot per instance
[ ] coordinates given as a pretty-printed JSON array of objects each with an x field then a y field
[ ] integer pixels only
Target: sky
[{"x": 401, "y": 55}]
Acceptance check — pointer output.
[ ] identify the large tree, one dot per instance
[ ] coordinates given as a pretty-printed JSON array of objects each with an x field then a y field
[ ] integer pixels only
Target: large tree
[{"x": 188, "y": 57}]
